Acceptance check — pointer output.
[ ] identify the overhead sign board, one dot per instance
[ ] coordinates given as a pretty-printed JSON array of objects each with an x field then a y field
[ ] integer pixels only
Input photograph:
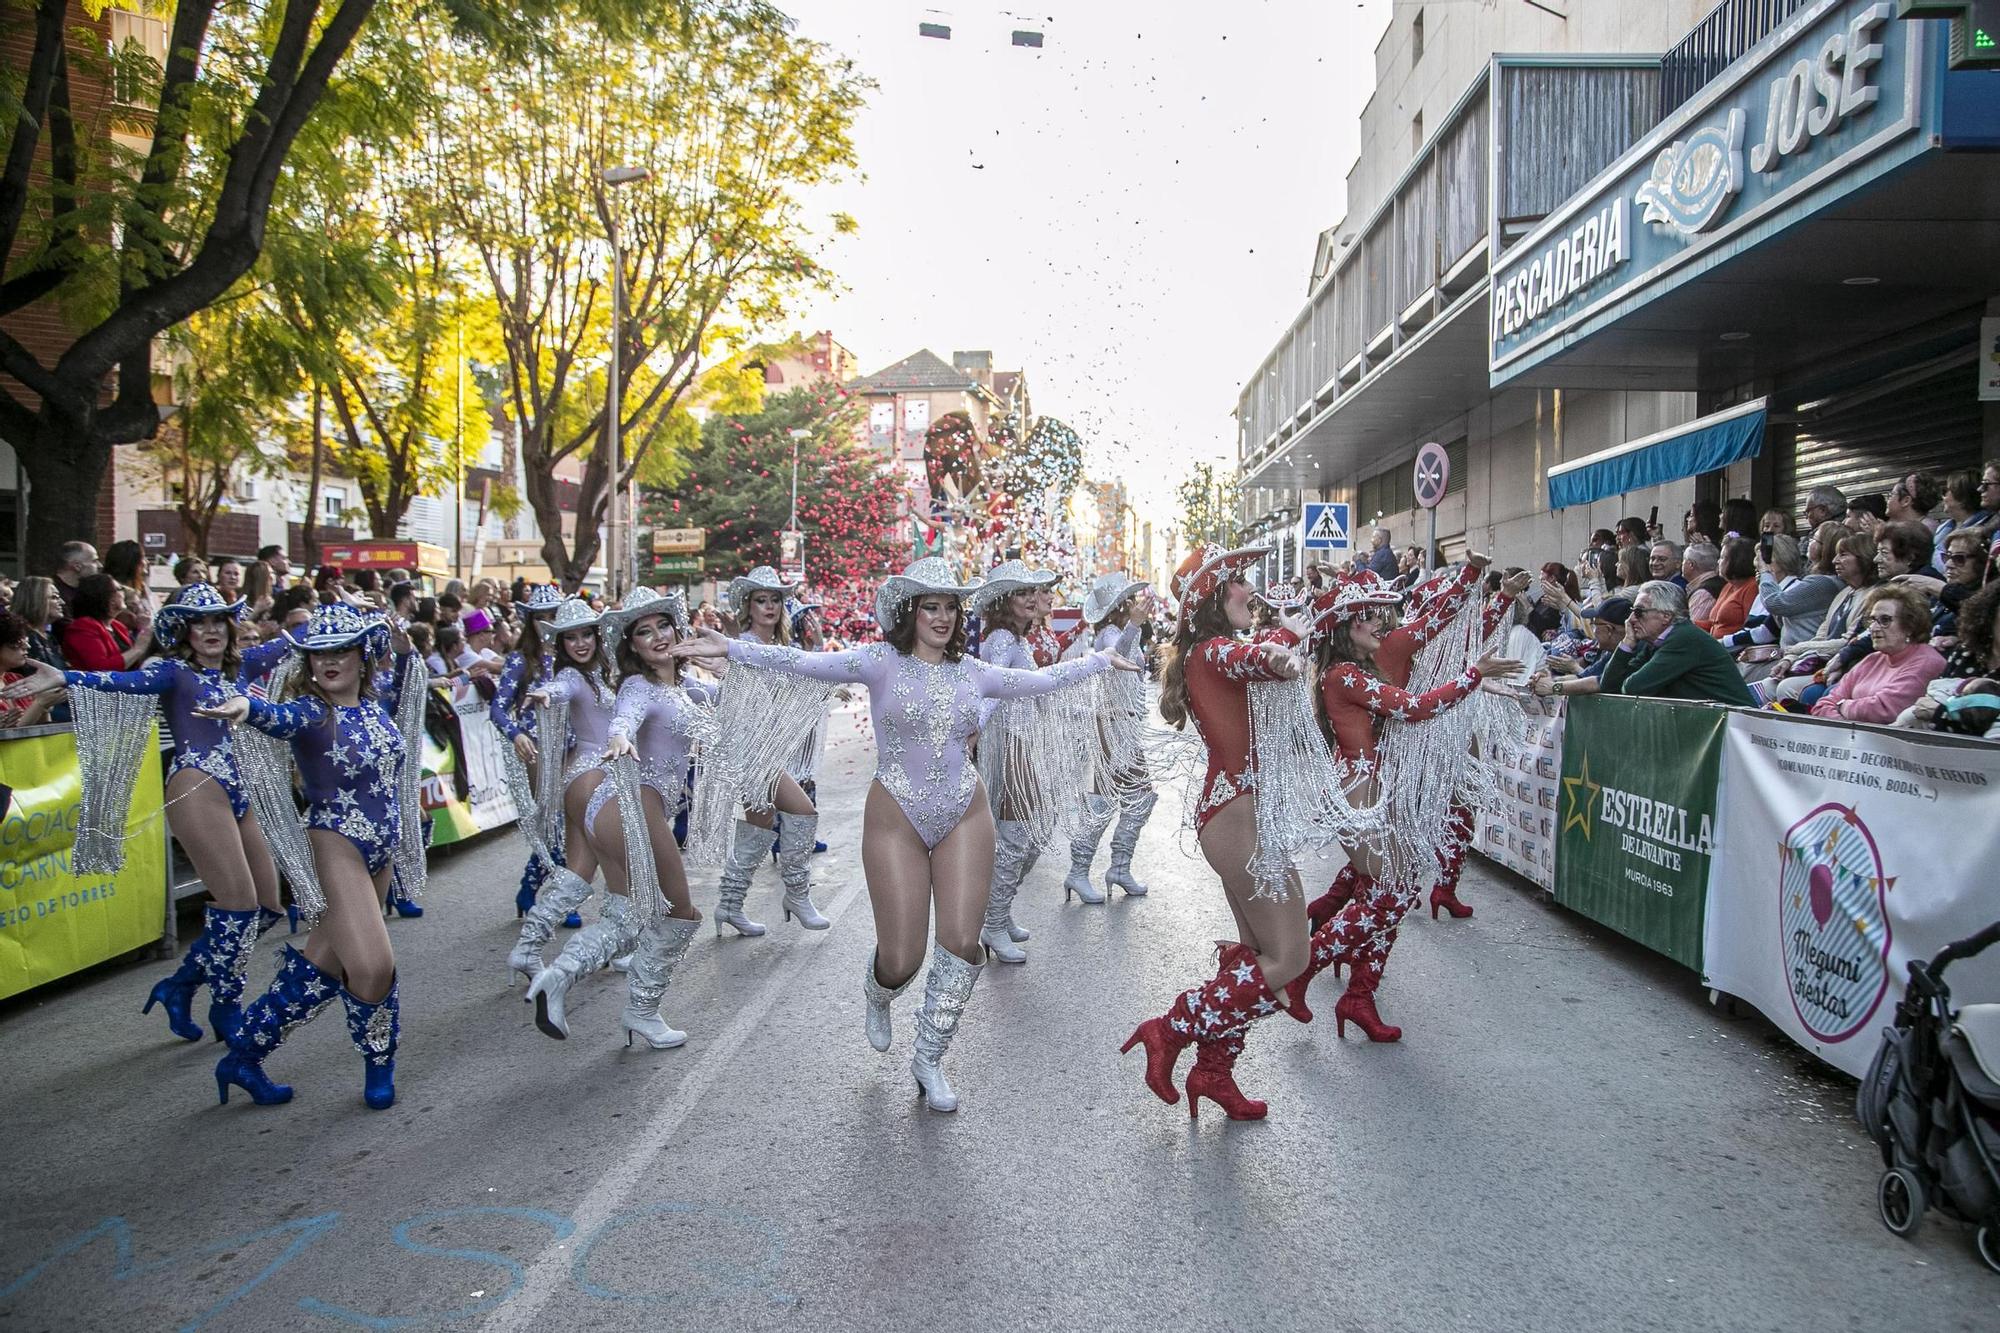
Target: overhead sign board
[
  {"x": 1826, "y": 103},
  {"x": 679, "y": 541},
  {"x": 1327, "y": 528}
]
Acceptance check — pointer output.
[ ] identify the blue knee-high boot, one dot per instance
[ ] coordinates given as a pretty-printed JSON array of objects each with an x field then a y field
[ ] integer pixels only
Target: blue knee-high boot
[
  {"x": 295, "y": 997},
  {"x": 177, "y": 991},
  {"x": 375, "y": 1029},
  {"x": 230, "y": 938}
]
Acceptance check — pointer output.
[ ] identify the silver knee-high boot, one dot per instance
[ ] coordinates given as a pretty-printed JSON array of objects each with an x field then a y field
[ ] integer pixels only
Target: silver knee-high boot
[
  {"x": 878, "y": 997},
  {"x": 562, "y": 893},
  {"x": 946, "y": 990},
  {"x": 796, "y": 835},
  {"x": 1084, "y": 849},
  {"x": 589, "y": 949},
  {"x": 1133, "y": 810},
  {"x": 745, "y": 854},
  {"x": 662, "y": 945},
  {"x": 1011, "y": 855}
]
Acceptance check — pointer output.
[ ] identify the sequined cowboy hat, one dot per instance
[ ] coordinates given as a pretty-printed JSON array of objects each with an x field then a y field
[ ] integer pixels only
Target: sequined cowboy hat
[
  {"x": 928, "y": 575},
  {"x": 1204, "y": 570},
  {"x": 1286, "y": 596},
  {"x": 541, "y": 597},
  {"x": 640, "y": 603},
  {"x": 574, "y": 613},
  {"x": 761, "y": 579},
  {"x": 1352, "y": 596},
  {"x": 1107, "y": 592},
  {"x": 1009, "y": 576},
  {"x": 797, "y": 609},
  {"x": 339, "y": 626},
  {"x": 196, "y": 600}
]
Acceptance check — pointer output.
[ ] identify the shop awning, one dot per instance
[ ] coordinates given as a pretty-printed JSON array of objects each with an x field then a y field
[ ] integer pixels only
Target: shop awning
[{"x": 1686, "y": 450}]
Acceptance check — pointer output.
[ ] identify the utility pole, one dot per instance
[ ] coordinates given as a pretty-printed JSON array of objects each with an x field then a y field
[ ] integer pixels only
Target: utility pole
[{"x": 620, "y": 563}]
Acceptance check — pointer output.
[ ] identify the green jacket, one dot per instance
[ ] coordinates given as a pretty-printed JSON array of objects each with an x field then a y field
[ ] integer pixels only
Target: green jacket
[{"x": 1688, "y": 665}]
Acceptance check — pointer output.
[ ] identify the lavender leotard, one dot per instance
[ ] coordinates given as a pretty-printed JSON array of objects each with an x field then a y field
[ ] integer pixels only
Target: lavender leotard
[
  {"x": 348, "y": 770},
  {"x": 200, "y": 743},
  {"x": 659, "y": 720},
  {"x": 924, "y": 715},
  {"x": 806, "y": 761},
  {"x": 591, "y": 702}
]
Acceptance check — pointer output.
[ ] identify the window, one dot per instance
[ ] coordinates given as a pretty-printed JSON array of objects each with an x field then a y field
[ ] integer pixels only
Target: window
[
  {"x": 332, "y": 504},
  {"x": 243, "y": 489},
  {"x": 133, "y": 85},
  {"x": 1417, "y": 133},
  {"x": 1417, "y": 37}
]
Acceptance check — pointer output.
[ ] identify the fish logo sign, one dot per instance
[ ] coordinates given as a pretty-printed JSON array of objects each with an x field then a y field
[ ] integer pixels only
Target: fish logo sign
[{"x": 1694, "y": 179}]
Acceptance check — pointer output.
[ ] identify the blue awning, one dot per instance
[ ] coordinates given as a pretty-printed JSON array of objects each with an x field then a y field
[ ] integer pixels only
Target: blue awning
[{"x": 1686, "y": 450}]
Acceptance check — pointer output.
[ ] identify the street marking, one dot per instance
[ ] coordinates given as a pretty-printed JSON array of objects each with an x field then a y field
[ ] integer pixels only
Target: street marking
[{"x": 550, "y": 1270}]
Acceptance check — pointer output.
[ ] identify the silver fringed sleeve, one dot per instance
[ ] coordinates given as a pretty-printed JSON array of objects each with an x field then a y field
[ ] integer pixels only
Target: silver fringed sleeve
[
  {"x": 1300, "y": 797},
  {"x": 743, "y": 746},
  {"x": 521, "y": 790},
  {"x": 112, "y": 733},
  {"x": 266, "y": 765},
  {"x": 553, "y": 727},
  {"x": 410, "y": 858},
  {"x": 641, "y": 872},
  {"x": 1047, "y": 754}
]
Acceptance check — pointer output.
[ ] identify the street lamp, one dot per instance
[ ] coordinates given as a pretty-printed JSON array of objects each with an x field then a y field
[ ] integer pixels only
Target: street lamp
[{"x": 621, "y": 560}]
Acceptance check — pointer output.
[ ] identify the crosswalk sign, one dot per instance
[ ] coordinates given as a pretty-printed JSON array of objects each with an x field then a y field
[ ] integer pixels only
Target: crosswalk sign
[{"x": 1327, "y": 528}]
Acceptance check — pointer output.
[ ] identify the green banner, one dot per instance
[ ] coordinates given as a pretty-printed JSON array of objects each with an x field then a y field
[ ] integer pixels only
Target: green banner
[{"x": 1639, "y": 779}]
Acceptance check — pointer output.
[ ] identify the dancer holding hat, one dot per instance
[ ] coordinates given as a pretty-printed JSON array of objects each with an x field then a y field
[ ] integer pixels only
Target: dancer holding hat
[{"x": 927, "y": 834}]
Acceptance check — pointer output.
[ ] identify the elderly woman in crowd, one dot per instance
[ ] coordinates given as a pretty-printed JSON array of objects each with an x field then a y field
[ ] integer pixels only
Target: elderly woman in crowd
[
  {"x": 1893, "y": 677},
  {"x": 1703, "y": 578},
  {"x": 1665, "y": 656},
  {"x": 1798, "y": 670},
  {"x": 37, "y": 602},
  {"x": 1965, "y": 568},
  {"x": 1730, "y": 610},
  {"x": 1903, "y": 553},
  {"x": 1800, "y": 604}
]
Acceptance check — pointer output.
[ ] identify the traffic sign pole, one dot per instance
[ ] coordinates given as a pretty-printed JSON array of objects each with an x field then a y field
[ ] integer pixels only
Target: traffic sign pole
[{"x": 1433, "y": 474}]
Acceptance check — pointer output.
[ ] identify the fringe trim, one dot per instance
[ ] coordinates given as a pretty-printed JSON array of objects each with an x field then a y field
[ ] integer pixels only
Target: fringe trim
[
  {"x": 410, "y": 857},
  {"x": 743, "y": 745},
  {"x": 1301, "y": 800},
  {"x": 112, "y": 732},
  {"x": 538, "y": 797},
  {"x": 1039, "y": 756},
  {"x": 641, "y": 873},
  {"x": 266, "y": 765}
]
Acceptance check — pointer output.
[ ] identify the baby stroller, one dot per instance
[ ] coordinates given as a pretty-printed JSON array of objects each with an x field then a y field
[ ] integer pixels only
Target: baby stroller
[{"x": 1931, "y": 1100}]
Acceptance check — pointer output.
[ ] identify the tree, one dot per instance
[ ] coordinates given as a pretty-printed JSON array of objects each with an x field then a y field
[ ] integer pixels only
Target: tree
[
  {"x": 734, "y": 118},
  {"x": 1210, "y": 500},
  {"x": 739, "y": 480}
]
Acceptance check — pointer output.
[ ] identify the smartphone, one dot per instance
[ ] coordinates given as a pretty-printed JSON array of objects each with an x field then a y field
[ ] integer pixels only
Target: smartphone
[{"x": 1653, "y": 520}]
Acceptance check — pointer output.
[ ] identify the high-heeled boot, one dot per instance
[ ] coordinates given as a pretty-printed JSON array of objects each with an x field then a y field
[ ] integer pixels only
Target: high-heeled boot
[
  {"x": 1134, "y": 808},
  {"x": 946, "y": 989},
  {"x": 1083, "y": 850},
  {"x": 1214, "y": 1077},
  {"x": 176, "y": 993},
  {"x": 591, "y": 948},
  {"x": 1368, "y": 960},
  {"x": 268, "y": 918},
  {"x": 1325, "y": 907},
  {"x": 662, "y": 945},
  {"x": 1227, "y": 1002},
  {"x": 400, "y": 900},
  {"x": 746, "y": 852},
  {"x": 1451, "y": 864},
  {"x": 877, "y": 998},
  {"x": 795, "y": 844},
  {"x": 1010, "y": 853},
  {"x": 1359, "y": 929},
  {"x": 375, "y": 1029},
  {"x": 562, "y": 893},
  {"x": 295, "y": 997},
  {"x": 230, "y": 938},
  {"x": 811, "y": 789}
]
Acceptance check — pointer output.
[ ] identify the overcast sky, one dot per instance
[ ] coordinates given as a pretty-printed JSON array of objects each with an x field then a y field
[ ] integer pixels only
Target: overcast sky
[{"x": 1127, "y": 214}]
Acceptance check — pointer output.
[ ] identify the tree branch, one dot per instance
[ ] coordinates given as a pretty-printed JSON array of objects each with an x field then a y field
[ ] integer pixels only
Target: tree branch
[{"x": 42, "y": 69}]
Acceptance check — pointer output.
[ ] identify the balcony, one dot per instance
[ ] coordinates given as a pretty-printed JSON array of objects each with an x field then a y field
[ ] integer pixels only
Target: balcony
[{"x": 1712, "y": 45}]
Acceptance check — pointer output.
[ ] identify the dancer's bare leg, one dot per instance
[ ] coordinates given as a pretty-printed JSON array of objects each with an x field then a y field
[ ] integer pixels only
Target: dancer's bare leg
[
  {"x": 351, "y": 937},
  {"x": 205, "y": 826},
  {"x": 962, "y": 879},
  {"x": 791, "y": 799},
  {"x": 897, "y": 866},
  {"x": 583, "y": 846},
  {"x": 667, "y": 856},
  {"x": 263, "y": 870},
  {"x": 1276, "y": 931}
]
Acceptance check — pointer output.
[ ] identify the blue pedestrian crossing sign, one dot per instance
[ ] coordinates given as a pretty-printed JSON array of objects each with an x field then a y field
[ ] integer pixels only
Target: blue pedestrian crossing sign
[{"x": 1327, "y": 528}]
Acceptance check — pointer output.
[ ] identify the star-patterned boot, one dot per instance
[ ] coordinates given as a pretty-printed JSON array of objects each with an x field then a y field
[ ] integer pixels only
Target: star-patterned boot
[
  {"x": 295, "y": 997},
  {"x": 1214, "y": 1077},
  {"x": 1364, "y": 929},
  {"x": 375, "y": 1030},
  {"x": 1233, "y": 998},
  {"x": 229, "y": 939},
  {"x": 1458, "y": 833},
  {"x": 1327, "y": 906}
]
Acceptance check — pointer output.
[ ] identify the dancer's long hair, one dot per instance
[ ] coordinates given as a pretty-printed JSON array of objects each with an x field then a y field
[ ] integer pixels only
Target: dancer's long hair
[
  {"x": 1209, "y": 621},
  {"x": 1335, "y": 648},
  {"x": 629, "y": 661},
  {"x": 531, "y": 648},
  {"x": 597, "y": 669},
  {"x": 781, "y": 633},
  {"x": 903, "y": 638},
  {"x": 1003, "y": 616}
]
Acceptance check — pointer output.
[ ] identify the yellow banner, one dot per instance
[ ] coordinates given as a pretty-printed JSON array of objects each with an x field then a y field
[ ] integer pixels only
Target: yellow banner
[{"x": 53, "y": 922}]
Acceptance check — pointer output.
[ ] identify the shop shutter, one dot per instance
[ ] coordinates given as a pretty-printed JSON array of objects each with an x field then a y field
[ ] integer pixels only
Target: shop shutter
[{"x": 1865, "y": 439}]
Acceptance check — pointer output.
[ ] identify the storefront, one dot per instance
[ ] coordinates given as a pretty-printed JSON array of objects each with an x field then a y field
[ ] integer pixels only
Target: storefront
[{"x": 1808, "y": 245}]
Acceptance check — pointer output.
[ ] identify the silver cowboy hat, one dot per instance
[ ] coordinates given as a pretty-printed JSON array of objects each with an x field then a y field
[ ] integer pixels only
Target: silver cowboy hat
[
  {"x": 1107, "y": 592},
  {"x": 640, "y": 603},
  {"x": 196, "y": 600},
  {"x": 928, "y": 575},
  {"x": 574, "y": 613},
  {"x": 761, "y": 579},
  {"x": 541, "y": 597},
  {"x": 1009, "y": 576},
  {"x": 333, "y": 628}
]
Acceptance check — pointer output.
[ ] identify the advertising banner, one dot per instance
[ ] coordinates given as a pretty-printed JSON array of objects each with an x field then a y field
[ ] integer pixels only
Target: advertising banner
[
  {"x": 53, "y": 922},
  {"x": 1522, "y": 836},
  {"x": 1849, "y": 852},
  {"x": 1638, "y": 818},
  {"x": 487, "y": 804}
]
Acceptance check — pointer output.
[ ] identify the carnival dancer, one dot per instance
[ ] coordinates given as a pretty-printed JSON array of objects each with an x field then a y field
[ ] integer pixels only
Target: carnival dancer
[
  {"x": 1429, "y": 608},
  {"x": 1351, "y": 623},
  {"x": 206, "y": 806},
  {"x": 927, "y": 831},
  {"x": 356, "y": 758},
  {"x": 579, "y": 693},
  {"x": 757, "y": 601},
  {"x": 531, "y": 662},
  {"x": 651, "y": 731},
  {"x": 1008, "y": 604},
  {"x": 1206, "y": 678},
  {"x": 1116, "y": 608}
]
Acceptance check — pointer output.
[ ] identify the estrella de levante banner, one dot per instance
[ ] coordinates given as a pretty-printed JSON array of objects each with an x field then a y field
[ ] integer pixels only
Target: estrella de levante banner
[
  {"x": 54, "y": 922},
  {"x": 1638, "y": 818}
]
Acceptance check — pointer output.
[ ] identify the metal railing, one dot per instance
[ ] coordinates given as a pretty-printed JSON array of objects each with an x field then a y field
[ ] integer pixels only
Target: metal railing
[{"x": 1712, "y": 45}]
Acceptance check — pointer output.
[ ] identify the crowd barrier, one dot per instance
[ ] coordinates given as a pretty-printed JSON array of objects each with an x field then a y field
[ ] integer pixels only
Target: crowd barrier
[
  {"x": 1796, "y": 863},
  {"x": 54, "y": 922}
]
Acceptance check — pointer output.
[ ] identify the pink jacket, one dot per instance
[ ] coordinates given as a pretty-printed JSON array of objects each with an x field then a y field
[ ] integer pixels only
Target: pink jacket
[{"x": 1881, "y": 686}]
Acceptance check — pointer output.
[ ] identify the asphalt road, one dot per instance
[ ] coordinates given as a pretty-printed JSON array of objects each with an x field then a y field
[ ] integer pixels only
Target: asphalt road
[{"x": 1566, "y": 1138}]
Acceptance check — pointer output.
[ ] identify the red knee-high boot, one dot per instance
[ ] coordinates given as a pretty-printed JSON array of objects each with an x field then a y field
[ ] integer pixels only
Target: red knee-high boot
[
  {"x": 1458, "y": 834},
  {"x": 1219, "y": 1008},
  {"x": 1325, "y": 907},
  {"x": 1214, "y": 1077},
  {"x": 1366, "y": 966},
  {"x": 1367, "y": 915}
]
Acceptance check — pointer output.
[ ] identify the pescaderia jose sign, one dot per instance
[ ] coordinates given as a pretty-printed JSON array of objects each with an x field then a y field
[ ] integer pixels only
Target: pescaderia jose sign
[{"x": 1822, "y": 105}]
